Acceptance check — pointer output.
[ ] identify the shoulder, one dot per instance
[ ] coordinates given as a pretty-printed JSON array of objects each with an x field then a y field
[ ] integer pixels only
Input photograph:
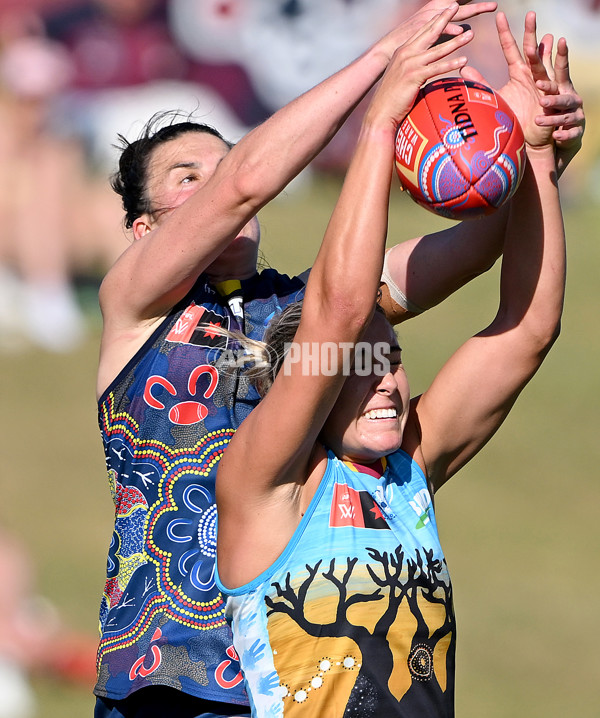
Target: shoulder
[{"x": 124, "y": 340}]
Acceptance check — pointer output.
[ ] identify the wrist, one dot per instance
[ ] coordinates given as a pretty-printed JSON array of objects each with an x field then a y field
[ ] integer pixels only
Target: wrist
[
  {"x": 543, "y": 153},
  {"x": 378, "y": 128},
  {"x": 541, "y": 162},
  {"x": 377, "y": 58}
]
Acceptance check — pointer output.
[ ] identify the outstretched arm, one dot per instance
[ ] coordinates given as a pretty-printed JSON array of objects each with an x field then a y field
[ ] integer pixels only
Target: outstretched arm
[
  {"x": 476, "y": 388},
  {"x": 176, "y": 249},
  {"x": 426, "y": 270},
  {"x": 264, "y": 478}
]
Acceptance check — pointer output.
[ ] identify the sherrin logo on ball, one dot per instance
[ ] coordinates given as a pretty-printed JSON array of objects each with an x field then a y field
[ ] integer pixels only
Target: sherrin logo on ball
[{"x": 460, "y": 152}]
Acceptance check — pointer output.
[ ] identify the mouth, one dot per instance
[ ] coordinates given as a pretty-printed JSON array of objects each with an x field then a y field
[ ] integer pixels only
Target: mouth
[{"x": 378, "y": 414}]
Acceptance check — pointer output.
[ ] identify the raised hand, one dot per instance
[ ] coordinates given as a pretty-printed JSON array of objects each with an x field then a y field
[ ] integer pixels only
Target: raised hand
[
  {"x": 418, "y": 60},
  {"x": 560, "y": 109},
  {"x": 563, "y": 107},
  {"x": 425, "y": 14},
  {"x": 521, "y": 91}
]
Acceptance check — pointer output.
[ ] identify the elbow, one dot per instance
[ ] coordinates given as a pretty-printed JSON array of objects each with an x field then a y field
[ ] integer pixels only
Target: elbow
[
  {"x": 354, "y": 307},
  {"x": 529, "y": 338},
  {"x": 542, "y": 338},
  {"x": 246, "y": 184},
  {"x": 252, "y": 182},
  {"x": 546, "y": 326},
  {"x": 553, "y": 335},
  {"x": 538, "y": 323}
]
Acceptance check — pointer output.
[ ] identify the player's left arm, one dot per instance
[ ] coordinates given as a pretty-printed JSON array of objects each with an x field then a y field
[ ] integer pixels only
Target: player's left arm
[
  {"x": 475, "y": 390},
  {"x": 422, "y": 272}
]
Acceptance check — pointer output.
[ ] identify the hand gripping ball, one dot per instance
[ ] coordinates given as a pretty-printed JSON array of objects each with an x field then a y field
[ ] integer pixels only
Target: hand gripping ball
[{"x": 460, "y": 151}]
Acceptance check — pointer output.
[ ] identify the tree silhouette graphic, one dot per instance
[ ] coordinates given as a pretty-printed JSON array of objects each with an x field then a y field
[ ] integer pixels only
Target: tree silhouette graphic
[{"x": 416, "y": 581}]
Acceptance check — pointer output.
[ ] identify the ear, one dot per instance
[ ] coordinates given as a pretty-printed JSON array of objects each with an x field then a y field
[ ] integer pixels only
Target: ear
[{"x": 142, "y": 225}]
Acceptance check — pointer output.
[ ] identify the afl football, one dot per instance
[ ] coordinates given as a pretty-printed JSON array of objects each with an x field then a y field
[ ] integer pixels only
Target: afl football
[{"x": 460, "y": 152}]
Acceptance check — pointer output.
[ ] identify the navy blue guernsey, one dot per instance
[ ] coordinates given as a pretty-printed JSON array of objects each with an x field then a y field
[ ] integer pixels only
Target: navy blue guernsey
[{"x": 165, "y": 421}]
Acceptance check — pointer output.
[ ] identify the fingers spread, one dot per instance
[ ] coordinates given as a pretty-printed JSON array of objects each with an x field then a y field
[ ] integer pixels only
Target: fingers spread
[
  {"x": 507, "y": 41},
  {"x": 561, "y": 63}
]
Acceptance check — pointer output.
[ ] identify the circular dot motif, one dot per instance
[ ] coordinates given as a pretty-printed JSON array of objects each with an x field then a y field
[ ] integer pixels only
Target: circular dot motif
[
  {"x": 420, "y": 662},
  {"x": 453, "y": 138},
  {"x": 481, "y": 163}
]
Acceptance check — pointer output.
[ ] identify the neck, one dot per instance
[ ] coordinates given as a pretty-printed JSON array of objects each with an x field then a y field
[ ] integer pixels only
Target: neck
[
  {"x": 374, "y": 468},
  {"x": 236, "y": 262},
  {"x": 216, "y": 277}
]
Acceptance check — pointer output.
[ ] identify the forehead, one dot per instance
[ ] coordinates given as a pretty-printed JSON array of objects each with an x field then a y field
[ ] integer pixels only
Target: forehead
[{"x": 198, "y": 150}]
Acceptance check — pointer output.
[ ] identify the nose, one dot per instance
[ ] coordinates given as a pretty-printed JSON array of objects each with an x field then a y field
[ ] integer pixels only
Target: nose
[{"x": 386, "y": 384}]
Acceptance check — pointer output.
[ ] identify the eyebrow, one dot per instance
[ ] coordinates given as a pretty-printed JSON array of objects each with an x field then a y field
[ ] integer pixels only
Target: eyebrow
[
  {"x": 185, "y": 165},
  {"x": 191, "y": 165}
]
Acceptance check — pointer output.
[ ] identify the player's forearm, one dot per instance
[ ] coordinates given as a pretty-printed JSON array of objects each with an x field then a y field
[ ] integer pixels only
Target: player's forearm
[
  {"x": 534, "y": 264},
  {"x": 273, "y": 153},
  {"x": 348, "y": 267},
  {"x": 428, "y": 269}
]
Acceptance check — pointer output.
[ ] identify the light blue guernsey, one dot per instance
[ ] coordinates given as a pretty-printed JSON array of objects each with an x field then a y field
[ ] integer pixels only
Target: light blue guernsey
[{"x": 355, "y": 618}]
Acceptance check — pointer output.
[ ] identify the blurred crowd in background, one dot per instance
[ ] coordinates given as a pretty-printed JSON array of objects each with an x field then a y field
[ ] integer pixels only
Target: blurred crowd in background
[{"x": 76, "y": 73}]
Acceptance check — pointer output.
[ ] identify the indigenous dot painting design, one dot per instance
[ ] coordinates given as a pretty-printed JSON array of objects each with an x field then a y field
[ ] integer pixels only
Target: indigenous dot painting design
[
  {"x": 165, "y": 422},
  {"x": 491, "y": 173},
  {"x": 420, "y": 662},
  {"x": 175, "y": 547}
]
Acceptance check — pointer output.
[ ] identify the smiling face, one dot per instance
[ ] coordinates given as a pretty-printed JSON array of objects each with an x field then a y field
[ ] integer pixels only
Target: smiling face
[
  {"x": 368, "y": 419},
  {"x": 177, "y": 169}
]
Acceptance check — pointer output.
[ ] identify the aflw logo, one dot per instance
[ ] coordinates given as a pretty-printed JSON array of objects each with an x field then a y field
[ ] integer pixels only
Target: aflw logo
[
  {"x": 197, "y": 326},
  {"x": 350, "y": 507},
  {"x": 346, "y": 512}
]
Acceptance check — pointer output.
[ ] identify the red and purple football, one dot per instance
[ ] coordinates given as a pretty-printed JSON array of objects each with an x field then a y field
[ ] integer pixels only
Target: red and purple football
[{"x": 460, "y": 151}]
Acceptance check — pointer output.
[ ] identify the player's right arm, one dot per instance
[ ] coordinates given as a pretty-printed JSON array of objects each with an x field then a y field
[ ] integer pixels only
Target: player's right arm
[
  {"x": 153, "y": 274},
  {"x": 269, "y": 472}
]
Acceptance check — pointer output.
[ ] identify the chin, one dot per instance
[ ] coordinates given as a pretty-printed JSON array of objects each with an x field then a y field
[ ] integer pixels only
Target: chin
[
  {"x": 384, "y": 443},
  {"x": 374, "y": 450},
  {"x": 238, "y": 261},
  {"x": 388, "y": 449}
]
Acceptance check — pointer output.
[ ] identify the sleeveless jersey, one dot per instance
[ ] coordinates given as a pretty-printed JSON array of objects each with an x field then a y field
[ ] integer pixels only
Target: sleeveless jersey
[
  {"x": 165, "y": 422},
  {"x": 355, "y": 618}
]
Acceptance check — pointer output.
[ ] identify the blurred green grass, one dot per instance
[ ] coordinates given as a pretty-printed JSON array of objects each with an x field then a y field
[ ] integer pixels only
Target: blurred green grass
[{"x": 519, "y": 524}]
